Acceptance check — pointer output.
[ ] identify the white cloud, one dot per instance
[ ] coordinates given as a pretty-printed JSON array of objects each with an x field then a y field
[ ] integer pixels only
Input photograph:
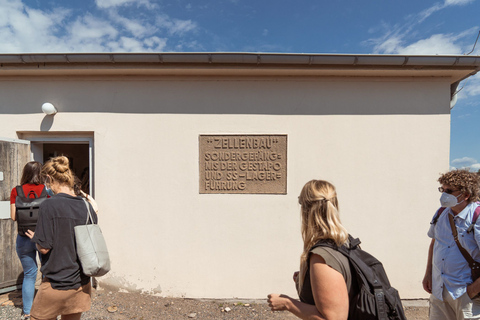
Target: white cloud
[
  {"x": 389, "y": 45},
  {"x": 398, "y": 39},
  {"x": 190, "y": 45},
  {"x": 472, "y": 85},
  {"x": 117, "y": 3},
  {"x": 428, "y": 12},
  {"x": 437, "y": 7},
  {"x": 135, "y": 27},
  {"x": 24, "y": 29},
  {"x": 155, "y": 43},
  {"x": 457, "y": 2},
  {"x": 89, "y": 27},
  {"x": 466, "y": 163},
  {"x": 175, "y": 26},
  {"x": 467, "y": 92},
  {"x": 436, "y": 44},
  {"x": 396, "y": 43}
]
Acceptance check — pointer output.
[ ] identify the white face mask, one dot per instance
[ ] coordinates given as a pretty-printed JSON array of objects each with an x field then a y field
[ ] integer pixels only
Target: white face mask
[{"x": 449, "y": 200}]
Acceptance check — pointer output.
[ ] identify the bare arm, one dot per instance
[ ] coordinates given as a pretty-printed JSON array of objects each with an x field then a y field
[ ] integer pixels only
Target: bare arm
[
  {"x": 42, "y": 250},
  {"x": 12, "y": 211},
  {"x": 302, "y": 310},
  {"x": 427, "y": 279},
  {"x": 329, "y": 291}
]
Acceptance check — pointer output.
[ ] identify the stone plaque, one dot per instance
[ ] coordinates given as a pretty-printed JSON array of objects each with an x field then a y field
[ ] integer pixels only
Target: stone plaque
[{"x": 243, "y": 164}]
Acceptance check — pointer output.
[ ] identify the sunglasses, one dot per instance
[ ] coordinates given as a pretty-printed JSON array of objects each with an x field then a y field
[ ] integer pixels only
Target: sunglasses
[{"x": 449, "y": 191}]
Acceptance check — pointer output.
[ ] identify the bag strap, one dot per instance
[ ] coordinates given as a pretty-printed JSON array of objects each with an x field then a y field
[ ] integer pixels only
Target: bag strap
[
  {"x": 438, "y": 214},
  {"x": 464, "y": 252},
  {"x": 89, "y": 213},
  {"x": 20, "y": 191},
  {"x": 474, "y": 219},
  {"x": 381, "y": 304},
  {"x": 44, "y": 193}
]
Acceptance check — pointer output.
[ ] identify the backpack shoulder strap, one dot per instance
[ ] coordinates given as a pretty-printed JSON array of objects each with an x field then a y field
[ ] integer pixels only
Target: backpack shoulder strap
[
  {"x": 476, "y": 213},
  {"x": 344, "y": 249},
  {"x": 20, "y": 192},
  {"x": 437, "y": 215},
  {"x": 325, "y": 243},
  {"x": 44, "y": 193}
]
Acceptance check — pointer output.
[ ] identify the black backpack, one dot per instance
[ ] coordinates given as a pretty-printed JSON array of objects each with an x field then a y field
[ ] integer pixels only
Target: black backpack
[
  {"x": 26, "y": 212},
  {"x": 374, "y": 298}
]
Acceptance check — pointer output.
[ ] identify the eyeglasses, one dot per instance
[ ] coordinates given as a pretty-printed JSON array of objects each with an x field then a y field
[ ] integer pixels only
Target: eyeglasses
[{"x": 449, "y": 191}]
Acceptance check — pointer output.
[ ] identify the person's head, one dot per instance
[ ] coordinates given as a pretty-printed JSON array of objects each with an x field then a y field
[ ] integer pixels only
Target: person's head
[
  {"x": 461, "y": 183},
  {"x": 320, "y": 218},
  {"x": 77, "y": 187},
  {"x": 32, "y": 173},
  {"x": 57, "y": 172}
]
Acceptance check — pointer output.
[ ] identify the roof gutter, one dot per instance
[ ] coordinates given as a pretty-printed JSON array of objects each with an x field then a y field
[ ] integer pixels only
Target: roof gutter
[{"x": 259, "y": 59}]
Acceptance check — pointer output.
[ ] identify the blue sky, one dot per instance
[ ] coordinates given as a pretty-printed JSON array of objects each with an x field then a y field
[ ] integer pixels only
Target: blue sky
[{"x": 300, "y": 26}]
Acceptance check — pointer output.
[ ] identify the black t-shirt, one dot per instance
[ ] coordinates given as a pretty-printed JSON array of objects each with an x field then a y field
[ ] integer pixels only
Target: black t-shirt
[{"x": 56, "y": 218}]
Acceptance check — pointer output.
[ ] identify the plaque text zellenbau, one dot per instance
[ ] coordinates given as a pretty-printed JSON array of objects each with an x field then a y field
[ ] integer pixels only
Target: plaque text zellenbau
[{"x": 243, "y": 164}]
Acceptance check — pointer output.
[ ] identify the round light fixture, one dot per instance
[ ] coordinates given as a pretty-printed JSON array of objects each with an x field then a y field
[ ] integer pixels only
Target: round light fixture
[{"x": 49, "y": 109}]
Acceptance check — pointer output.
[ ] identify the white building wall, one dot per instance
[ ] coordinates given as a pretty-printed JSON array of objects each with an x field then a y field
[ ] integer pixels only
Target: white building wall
[{"x": 382, "y": 142}]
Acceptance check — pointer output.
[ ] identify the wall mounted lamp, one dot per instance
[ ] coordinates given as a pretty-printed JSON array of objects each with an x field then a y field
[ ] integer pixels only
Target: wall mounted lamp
[{"x": 49, "y": 109}]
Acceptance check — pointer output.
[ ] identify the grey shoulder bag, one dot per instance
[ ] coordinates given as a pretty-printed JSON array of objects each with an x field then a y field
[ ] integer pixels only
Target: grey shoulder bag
[{"x": 91, "y": 248}]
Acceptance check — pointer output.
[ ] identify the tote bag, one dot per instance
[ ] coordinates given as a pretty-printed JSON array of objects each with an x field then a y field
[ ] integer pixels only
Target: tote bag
[{"x": 91, "y": 248}]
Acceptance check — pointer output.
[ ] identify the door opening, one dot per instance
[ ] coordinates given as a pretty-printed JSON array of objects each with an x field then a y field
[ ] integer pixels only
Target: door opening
[
  {"x": 78, "y": 157},
  {"x": 78, "y": 150}
]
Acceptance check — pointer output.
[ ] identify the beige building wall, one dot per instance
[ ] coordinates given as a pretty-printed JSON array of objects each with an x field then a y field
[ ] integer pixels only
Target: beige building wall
[{"x": 381, "y": 141}]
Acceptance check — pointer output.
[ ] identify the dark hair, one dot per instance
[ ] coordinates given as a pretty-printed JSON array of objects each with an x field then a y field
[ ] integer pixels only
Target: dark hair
[
  {"x": 85, "y": 180},
  {"x": 77, "y": 187},
  {"x": 32, "y": 173}
]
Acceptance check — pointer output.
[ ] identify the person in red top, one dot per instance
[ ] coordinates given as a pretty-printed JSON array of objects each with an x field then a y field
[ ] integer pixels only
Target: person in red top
[{"x": 26, "y": 251}]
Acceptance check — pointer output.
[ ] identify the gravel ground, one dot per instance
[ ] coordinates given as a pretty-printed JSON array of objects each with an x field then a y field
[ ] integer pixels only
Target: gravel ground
[{"x": 122, "y": 306}]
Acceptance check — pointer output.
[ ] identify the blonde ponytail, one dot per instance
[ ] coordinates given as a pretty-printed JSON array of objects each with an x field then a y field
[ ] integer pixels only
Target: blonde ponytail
[{"x": 320, "y": 219}]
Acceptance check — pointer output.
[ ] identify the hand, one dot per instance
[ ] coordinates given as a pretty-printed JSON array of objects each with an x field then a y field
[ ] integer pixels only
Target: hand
[
  {"x": 295, "y": 276},
  {"x": 277, "y": 302},
  {"x": 470, "y": 292},
  {"x": 29, "y": 233},
  {"x": 473, "y": 289},
  {"x": 427, "y": 282}
]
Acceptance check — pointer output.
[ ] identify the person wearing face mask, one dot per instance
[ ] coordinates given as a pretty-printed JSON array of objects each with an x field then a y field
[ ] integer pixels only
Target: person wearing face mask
[{"x": 448, "y": 276}]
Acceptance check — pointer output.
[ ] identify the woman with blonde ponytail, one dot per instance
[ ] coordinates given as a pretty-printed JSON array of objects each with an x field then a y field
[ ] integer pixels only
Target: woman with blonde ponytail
[
  {"x": 65, "y": 289},
  {"x": 324, "y": 281}
]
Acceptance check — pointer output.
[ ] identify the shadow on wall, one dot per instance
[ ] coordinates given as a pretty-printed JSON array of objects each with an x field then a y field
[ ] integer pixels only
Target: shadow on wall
[
  {"x": 47, "y": 123},
  {"x": 207, "y": 96}
]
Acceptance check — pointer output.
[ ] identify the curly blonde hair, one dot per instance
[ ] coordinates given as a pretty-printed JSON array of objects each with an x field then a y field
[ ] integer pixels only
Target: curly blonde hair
[
  {"x": 320, "y": 219},
  {"x": 466, "y": 181}
]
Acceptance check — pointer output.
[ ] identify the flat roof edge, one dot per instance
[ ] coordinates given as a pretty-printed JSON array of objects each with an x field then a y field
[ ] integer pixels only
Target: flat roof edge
[{"x": 239, "y": 59}]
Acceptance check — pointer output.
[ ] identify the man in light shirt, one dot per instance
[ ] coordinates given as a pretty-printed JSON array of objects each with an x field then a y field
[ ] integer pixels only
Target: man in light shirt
[{"x": 448, "y": 278}]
